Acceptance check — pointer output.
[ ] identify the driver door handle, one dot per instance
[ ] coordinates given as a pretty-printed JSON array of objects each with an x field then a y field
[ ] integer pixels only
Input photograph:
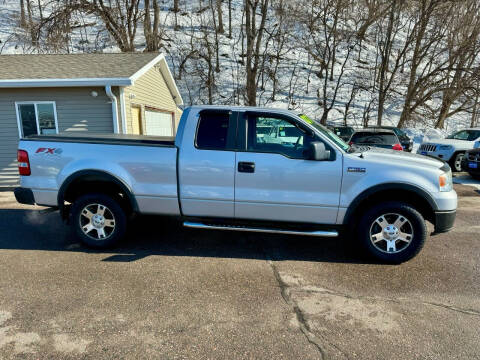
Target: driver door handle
[{"x": 247, "y": 167}]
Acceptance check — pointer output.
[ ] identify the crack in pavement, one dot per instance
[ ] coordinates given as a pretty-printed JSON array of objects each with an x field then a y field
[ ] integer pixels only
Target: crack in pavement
[
  {"x": 397, "y": 300},
  {"x": 304, "y": 327},
  {"x": 454, "y": 308},
  {"x": 300, "y": 316}
]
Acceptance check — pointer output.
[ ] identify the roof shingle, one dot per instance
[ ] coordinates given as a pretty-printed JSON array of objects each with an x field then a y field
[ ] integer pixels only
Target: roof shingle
[{"x": 72, "y": 66}]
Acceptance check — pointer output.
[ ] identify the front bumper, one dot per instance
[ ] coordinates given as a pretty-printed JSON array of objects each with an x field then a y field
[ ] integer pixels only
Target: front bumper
[
  {"x": 24, "y": 196},
  {"x": 468, "y": 169},
  {"x": 444, "y": 221},
  {"x": 444, "y": 155}
]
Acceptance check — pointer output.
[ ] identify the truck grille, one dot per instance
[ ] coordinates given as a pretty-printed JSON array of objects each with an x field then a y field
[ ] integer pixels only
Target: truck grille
[
  {"x": 428, "y": 147},
  {"x": 474, "y": 157}
]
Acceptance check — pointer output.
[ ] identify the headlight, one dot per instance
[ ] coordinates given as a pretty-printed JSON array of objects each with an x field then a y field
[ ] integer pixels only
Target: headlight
[
  {"x": 445, "y": 147},
  {"x": 445, "y": 181}
]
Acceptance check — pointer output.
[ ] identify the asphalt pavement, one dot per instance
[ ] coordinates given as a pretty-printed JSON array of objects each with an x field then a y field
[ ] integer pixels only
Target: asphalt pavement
[{"x": 172, "y": 293}]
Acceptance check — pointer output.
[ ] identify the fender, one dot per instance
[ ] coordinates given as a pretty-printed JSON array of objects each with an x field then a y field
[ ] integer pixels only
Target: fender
[
  {"x": 97, "y": 174},
  {"x": 387, "y": 186}
]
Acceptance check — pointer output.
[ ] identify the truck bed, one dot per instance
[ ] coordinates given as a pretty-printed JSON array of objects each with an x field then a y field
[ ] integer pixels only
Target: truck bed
[
  {"x": 146, "y": 165},
  {"x": 110, "y": 139}
]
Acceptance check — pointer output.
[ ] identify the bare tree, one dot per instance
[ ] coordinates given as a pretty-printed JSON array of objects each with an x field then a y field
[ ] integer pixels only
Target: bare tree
[
  {"x": 391, "y": 59},
  {"x": 375, "y": 9},
  {"x": 254, "y": 41},
  {"x": 220, "y": 17},
  {"x": 230, "y": 19},
  {"x": 23, "y": 22},
  {"x": 427, "y": 60},
  {"x": 175, "y": 11},
  {"x": 321, "y": 38},
  {"x": 151, "y": 31},
  {"x": 461, "y": 73},
  {"x": 216, "y": 30},
  {"x": 120, "y": 19}
]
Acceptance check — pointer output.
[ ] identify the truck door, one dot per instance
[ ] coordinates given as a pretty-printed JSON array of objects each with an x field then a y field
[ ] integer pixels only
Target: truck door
[
  {"x": 273, "y": 181},
  {"x": 206, "y": 165}
]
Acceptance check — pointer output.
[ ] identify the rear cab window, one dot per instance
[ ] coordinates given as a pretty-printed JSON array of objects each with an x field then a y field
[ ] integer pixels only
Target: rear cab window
[
  {"x": 215, "y": 130},
  {"x": 383, "y": 138}
]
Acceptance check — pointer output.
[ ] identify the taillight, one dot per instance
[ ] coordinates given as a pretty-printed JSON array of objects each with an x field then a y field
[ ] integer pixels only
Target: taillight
[
  {"x": 350, "y": 143},
  {"x": 397, "y": 147},
  {"x": 23, "y": 163}
]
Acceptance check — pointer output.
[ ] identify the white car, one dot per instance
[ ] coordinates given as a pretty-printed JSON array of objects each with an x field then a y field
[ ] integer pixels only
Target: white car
[{"x": 453, "y": 147}]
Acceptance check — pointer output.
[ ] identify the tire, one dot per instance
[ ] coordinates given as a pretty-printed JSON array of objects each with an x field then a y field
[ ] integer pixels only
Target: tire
[
  {"x": 390, "y": 245},
  {"x": 94, "y": 229},
  {"x": 456, "y": 161}
]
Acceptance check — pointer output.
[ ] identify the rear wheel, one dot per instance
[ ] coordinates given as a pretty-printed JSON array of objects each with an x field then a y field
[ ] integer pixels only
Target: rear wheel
[
  {"x": 98, "y": 220},
  {"x": 392, "y": 232},
  {"x": 456, "y": 162}
]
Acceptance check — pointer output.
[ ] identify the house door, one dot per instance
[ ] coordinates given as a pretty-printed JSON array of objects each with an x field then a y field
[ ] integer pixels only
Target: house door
[{"x": 136, "y": 121}]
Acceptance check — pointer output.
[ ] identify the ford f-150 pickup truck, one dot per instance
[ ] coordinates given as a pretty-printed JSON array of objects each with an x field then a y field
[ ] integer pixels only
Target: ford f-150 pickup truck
[{"x": 241, "y": 169}]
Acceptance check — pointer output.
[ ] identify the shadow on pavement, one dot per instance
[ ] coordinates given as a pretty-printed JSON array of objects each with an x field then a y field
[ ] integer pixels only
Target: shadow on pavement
[{"x": 22, "y": 229}]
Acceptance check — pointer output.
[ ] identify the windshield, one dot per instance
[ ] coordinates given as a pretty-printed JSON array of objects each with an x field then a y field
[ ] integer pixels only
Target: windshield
[
  {"x": 468, "y": 135},
  {"x": 328, "y": 133}
]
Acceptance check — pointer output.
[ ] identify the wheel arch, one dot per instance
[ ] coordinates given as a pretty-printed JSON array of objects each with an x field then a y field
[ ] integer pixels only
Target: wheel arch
[
  {"x": 411, "y": 194},
  {"x": 76, "y": 184}
]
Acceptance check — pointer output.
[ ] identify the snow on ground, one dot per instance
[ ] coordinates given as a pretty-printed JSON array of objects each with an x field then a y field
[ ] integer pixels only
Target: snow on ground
[
  {"x": 466, "y": 179},
  {"x": 297, "y": 82}
]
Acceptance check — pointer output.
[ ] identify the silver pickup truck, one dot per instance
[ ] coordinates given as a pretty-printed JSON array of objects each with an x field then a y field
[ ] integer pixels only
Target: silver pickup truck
[{"x": 241, "y": 169}]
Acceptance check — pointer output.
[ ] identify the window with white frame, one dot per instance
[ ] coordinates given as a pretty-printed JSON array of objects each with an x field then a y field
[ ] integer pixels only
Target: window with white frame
[{"x": 36, "y": 117}]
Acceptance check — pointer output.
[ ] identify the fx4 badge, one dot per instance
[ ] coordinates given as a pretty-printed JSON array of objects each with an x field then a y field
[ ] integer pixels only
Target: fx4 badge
[
  {"x": 356, "y": 169},
  {"x": 52, "y": 151}
]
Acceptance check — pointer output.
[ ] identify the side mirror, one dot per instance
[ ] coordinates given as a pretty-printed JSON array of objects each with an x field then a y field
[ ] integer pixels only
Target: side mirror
[{"x": 317, "y": 151}]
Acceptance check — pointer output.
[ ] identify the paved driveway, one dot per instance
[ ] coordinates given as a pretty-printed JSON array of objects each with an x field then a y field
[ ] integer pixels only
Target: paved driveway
[{"x": 171, "y": 293}]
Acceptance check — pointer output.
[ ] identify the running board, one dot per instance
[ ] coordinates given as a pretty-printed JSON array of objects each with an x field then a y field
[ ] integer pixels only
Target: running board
[{"x": 320, "y": 233}]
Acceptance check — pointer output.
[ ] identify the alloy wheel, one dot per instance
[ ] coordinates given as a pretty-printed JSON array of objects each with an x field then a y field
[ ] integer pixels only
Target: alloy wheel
[
  {"x": 97, "y": 221},
  {"x": 391, "y": 233}
]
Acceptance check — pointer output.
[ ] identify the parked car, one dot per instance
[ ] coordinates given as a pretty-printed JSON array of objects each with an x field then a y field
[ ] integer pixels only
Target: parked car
[
  {"x": 452, "y": 148},
  {"x": 471, "y": 163},
  {"x": 405, "y": 140},
  {"x": 221, "y": 172},
  {"x": 380, "y": 138},
  {"x": 343, "y": 132}
]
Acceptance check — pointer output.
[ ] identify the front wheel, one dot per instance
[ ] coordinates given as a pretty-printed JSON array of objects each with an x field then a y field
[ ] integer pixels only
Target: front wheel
[
  {"x": 456, "y": 162},
  {"x": 98, "y": 220},
  {"x": 392, "y": 232}
]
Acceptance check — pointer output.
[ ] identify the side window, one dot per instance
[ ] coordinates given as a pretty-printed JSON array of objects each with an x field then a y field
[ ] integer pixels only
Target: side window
[
  {"x": 212, "y": 131},
  {"x": 276, "y": 135}
]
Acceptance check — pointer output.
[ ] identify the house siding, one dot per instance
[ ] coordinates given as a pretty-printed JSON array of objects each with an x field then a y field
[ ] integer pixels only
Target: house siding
[
  {"x": 76, "y": 109},
  {"x": 150, "y": 90}
]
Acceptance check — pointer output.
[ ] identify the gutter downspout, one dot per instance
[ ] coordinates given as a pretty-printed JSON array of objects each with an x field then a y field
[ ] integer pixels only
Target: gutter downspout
[
  {"x": 108, "y": 91},
  {"x": 123, "y": 111}
]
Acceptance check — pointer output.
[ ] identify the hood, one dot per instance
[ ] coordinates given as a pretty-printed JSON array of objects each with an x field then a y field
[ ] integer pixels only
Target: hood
[
  {"x": 394, "y": 156},
  {"x": 448, "y": 142}
]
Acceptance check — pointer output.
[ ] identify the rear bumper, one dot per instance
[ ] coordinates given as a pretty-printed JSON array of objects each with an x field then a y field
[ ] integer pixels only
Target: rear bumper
[
  {"x": 24, "y": 196},
  {"x": 444, "y": 221}
]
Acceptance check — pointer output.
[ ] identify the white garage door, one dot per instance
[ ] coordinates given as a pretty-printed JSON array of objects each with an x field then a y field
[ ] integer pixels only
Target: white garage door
[{"x": 158, "y": 123}]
